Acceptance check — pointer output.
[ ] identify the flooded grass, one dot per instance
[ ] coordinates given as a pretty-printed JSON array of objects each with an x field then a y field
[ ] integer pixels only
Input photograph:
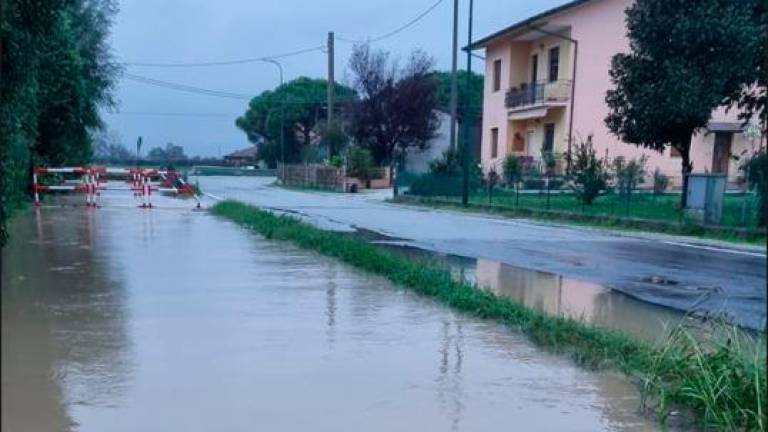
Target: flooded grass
[{"x": 712, "y": 377}]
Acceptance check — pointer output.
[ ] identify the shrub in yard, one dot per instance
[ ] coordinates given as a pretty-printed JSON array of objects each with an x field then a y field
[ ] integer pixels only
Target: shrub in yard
[
  {"x": 660, "y": 182},
  {"x": 359, "y": 163},
  {"x": 445, "y": 177},
  {"x": 448, "y": 163},
  {"x": 589, "y": 175},
  {"x": 629, "y": 174},
  {"x": 492, "y": 178},
  {"x": 756, "y": 172},
  {"x": 336, "y": 161},
  {"x": 548, "y": 162},
  {"x": 513, "y": 170}
]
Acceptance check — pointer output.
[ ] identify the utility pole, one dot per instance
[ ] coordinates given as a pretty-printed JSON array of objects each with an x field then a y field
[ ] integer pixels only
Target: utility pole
[
  {"x": 331, "y": 82},
  {"x": 454, "y": 84},
  {"x": 138, "y": 150},
  {"x": 467, "y": 112}
]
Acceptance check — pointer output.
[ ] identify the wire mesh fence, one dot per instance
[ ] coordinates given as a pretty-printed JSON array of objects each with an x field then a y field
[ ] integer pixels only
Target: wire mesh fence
[{"x": 555, "y": 194}]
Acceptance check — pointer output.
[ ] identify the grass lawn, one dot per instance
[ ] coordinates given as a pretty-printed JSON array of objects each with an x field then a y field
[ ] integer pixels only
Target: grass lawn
[{"x": 642, "y": 205}]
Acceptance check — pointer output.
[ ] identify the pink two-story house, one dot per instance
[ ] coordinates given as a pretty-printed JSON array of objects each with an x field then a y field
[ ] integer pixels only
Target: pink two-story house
[{"x": 536, "y": 100}]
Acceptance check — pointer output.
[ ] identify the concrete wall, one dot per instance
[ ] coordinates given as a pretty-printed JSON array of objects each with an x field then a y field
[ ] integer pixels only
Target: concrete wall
[{"x": 417, "y": 160}]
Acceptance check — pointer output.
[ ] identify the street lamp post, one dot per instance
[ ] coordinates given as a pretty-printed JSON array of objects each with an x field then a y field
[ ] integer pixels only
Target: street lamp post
[
  {"x": 282, "y": 114},
  {"x": 467, "y": 114}
]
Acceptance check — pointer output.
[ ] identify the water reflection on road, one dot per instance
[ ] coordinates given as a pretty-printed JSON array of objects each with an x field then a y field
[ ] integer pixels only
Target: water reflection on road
[
  {"x": 122, "y": 319},
  {"x": 555, "y": 294},
  {"x": 590, "y": 302}
]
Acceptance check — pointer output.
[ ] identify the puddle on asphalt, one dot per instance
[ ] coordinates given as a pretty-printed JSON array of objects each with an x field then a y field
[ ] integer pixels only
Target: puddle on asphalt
[
  {"x": 182, "y": 321},
  {"x": 554, "y": 294}
]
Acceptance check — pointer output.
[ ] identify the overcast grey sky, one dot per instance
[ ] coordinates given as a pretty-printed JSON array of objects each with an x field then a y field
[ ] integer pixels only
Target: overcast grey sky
[{"x": 206, "y": 30}]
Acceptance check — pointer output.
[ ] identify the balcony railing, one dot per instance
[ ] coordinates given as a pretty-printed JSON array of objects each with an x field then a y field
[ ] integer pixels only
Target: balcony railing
[{"x": 538, "y": 93}]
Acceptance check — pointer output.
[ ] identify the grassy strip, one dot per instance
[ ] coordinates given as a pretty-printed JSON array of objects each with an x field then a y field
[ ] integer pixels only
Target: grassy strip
[
  {"x": 734, "y": 235},
  {"x": 719, "y": 381}
]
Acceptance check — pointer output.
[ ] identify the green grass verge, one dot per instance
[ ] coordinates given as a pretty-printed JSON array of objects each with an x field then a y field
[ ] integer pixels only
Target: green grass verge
[
  {"x": 739, "y": 210},
  {"x": 718, "y": 381},
  {"x": 728, "y": 234}
]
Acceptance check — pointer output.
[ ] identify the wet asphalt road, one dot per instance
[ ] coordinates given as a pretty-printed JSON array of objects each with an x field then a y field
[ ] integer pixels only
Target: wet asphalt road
[{"x": 714, "y": 280}]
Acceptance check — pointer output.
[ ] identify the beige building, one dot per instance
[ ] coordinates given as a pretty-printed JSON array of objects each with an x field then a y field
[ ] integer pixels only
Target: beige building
[{"x": 535, "y": 100}]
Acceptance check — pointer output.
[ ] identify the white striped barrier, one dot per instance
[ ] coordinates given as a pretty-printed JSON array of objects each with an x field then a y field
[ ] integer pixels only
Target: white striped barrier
[{"x": 92, "y": 182}]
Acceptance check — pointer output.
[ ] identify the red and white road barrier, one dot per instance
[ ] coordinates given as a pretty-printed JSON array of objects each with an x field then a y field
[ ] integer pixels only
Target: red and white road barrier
[{"x": 142, "y": 182}]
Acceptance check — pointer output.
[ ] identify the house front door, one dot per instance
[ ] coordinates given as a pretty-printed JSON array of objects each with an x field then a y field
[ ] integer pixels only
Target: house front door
[{"x": 721, "y": 154}]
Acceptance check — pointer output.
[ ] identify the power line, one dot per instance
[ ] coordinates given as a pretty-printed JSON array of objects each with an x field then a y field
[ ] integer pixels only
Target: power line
[
  {"x": 217, "y": 93},
  {"x": 175, "y": 114},
  {"x": 397, "y": 30},
  {"x": 224, "y": 62},
  {"x": 186, "y": 88}
]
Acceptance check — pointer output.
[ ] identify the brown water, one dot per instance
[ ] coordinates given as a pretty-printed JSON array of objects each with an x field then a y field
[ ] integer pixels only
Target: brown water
[
  {"x": 557, "y": 295},
  {"x": 120, "y": 319}
]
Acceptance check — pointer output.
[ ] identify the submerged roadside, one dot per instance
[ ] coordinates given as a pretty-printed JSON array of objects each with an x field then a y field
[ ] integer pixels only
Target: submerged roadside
[{"x": 721, "y": 380}]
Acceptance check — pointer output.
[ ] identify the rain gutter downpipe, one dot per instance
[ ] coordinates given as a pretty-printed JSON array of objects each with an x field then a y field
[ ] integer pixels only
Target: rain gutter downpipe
[{"x": 573, "y": 87}]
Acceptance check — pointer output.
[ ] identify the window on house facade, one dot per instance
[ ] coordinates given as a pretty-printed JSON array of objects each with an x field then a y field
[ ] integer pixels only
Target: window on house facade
[
  {"x": 496, "y": 75},
  {"x": 554, "y": 63},
  {"x": 549, "y": 138},
  {"x": 494, "y": 142},
  {"x": 534, "y": 67}
]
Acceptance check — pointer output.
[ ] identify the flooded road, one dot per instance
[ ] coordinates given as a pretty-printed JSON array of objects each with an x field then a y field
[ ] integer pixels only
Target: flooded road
[
  {"x": 724, "y": 280},
  {"x": 120, "y": 319}
]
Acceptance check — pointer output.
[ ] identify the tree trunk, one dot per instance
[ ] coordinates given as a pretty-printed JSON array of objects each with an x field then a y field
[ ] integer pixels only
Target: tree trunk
[{"x": 687, "y": 167}]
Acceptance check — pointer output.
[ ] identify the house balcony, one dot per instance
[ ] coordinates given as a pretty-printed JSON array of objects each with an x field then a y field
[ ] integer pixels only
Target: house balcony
[{"x": 528, "y": 96}]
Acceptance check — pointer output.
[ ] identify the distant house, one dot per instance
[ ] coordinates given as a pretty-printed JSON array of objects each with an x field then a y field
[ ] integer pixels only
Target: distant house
[
  {"x": 242, "y": 157},
  {"x": 417, "y": 160}
]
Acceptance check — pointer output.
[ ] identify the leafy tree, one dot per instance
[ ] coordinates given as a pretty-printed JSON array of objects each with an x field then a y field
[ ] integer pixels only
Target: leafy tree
[
  {"x": 687, "y": 57},
  {"x": 303, "y": 102},
  {"x": 56, "y": 71},
  {"x": 444, "y": 90},
  {"x": 756, "y": 168},
  {"x": 171, "y": 155},
  {"x": 359, "y": 163},
  {"x": 333, "y": 137},
  {"x": 753, "y": 98},
  {"x": 589, "y": 175},
  {"x": 397, "y": 105}
]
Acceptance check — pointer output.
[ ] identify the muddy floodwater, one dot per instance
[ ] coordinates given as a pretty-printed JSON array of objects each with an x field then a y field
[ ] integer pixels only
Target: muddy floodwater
[{"x": 121, "y": 319}]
